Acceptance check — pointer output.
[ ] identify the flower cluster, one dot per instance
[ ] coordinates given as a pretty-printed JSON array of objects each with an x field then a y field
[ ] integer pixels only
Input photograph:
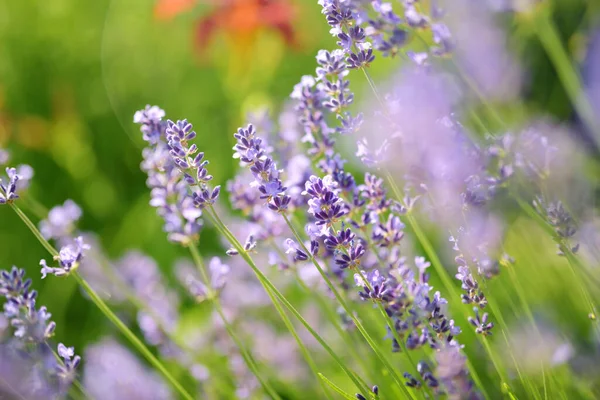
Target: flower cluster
[
  {"x": 200, "y": 290},
  {"x": 169, "y": 190},
  {"x": 68, "y": 258},
  {"x": 561, "y": 221},
  {"x": 32, "y": 326},
  {"x": 191, "y": 163},
  {"x": 253, "y": 154}
]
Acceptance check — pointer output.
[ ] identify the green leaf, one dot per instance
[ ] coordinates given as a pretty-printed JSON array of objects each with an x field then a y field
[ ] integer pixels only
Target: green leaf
[{"x": 336, "y": 388}]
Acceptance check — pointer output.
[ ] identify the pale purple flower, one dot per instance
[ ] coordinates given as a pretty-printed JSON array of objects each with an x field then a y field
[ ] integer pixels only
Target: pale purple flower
[
  {"x": 61, "y": 220},
  {"x": 111, "y": 372},
  {"x": 152, "y": 126},
  {"x": 8, "y": 191},
  {"x": 68, "y": 258},
  {"x": 168, "y": 184},
  {"x": 189, "y": 277}
]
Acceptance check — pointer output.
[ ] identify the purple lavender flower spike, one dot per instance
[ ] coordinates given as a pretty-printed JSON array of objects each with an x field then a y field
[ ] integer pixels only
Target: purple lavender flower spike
[
  {"x": 67, "y": 370},
  {"x": 253, "y": 154},
  {"x": 152, "y": 125},
  {"x": 31, "y": 325},
  {"x": 169, "y": 185},
  {"x": 69, "y": 258},
  {"x": 389, "y": 233},
  {"x": 8, "y": 192},
  {"x": 293, "y": 248},
  {"x": 376, "y": 287},
  {"x": 481, "y": 324}
]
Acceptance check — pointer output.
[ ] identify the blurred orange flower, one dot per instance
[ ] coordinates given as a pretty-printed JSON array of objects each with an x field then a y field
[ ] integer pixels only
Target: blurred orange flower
[{"x": 240, "y": 20}]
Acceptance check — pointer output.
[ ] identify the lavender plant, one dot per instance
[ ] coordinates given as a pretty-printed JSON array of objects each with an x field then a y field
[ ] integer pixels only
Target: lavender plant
[{"x": 391, "y": 272}]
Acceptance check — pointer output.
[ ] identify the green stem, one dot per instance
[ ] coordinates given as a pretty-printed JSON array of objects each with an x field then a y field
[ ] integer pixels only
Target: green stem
[
  {"x": 567, "y": 73},
  {"x": 332, "y": 317},
  {"x": 273, "y": 291},
  {"x": 439, "y": 268},
  {"x": 346, "y": 308},
  {"x": 34, "y": 230},
  {"x": 394, "y": 331},
  {"x": 137, "y": 343},
  {"x": 248, "y": 358}
]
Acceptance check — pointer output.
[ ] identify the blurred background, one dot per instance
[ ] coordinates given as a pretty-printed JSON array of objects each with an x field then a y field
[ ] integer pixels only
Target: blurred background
[{"x": 72, "y": 73}]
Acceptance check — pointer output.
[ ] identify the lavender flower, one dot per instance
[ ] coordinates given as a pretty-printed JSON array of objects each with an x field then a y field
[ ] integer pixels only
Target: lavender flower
[
  {"x": 67, "y": 369},
  {"x": 561, "y": 221},
  {"x": 61, "y": 220},
  {"x": 481, "y": 323},
  {"x": 152, "y": 125},
  {"x": 324, "y": 204},
  {"x": 8, "y": 192},
  {"x": 141, "y": 273},
  {"x": 169, "y": 188},
  {"x": 68, "y": 258},
  {"x": 253, "y": 154},
  {"x": 184, "y": 155},
  {"x": 374, "y": 286},
  {"x": 31, "y": 325},
  {"x": 453, "y": 374},
  {"x": 111, "y": 372},
  {"x": 198, "y": 289}
]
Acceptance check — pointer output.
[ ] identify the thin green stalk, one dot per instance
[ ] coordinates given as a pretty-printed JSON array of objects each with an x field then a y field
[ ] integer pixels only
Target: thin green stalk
[
  {"x": 248, "y": 358},
  {"x": 335, "y": 387},
  {"x": 394, "y": 331},
  {"x": 441, "y": 271},
  {"x": 346, "y": 308},
  {"x": 34, "y": 230},
  {"x": 567, "y": 73},
  {"x": 331, "y": 316},
  {"x": 272, "y": 291},
  {"x": 135, "y": 341},
  {"x": 103, "y": 307}
]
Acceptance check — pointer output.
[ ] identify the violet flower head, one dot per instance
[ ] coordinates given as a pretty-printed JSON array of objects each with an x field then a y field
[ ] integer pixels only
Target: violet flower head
[
  {"x": 324, "y": 203},
  {"x": 66, "y": 370},
  {"x": 254, "y": 155},
  {"x": 152, "y": 125},
  {"x": 142, "y": 274},
  {"x": 473, "y": 294},
  {"x": 481, "y": 324},
  {"x": 61, "y": 221},
  {"x": 374, "y": 286},
  {"x": 169, "y": 189},
  {"x": 191, "y": 163},
  {"x": 561, "y": 221},
  {"x": 8, "y": 191},
  {"x": 68, "y": 258},
  {"x": 426, "y": 376},
  {"x": 32, "y": 325}
]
